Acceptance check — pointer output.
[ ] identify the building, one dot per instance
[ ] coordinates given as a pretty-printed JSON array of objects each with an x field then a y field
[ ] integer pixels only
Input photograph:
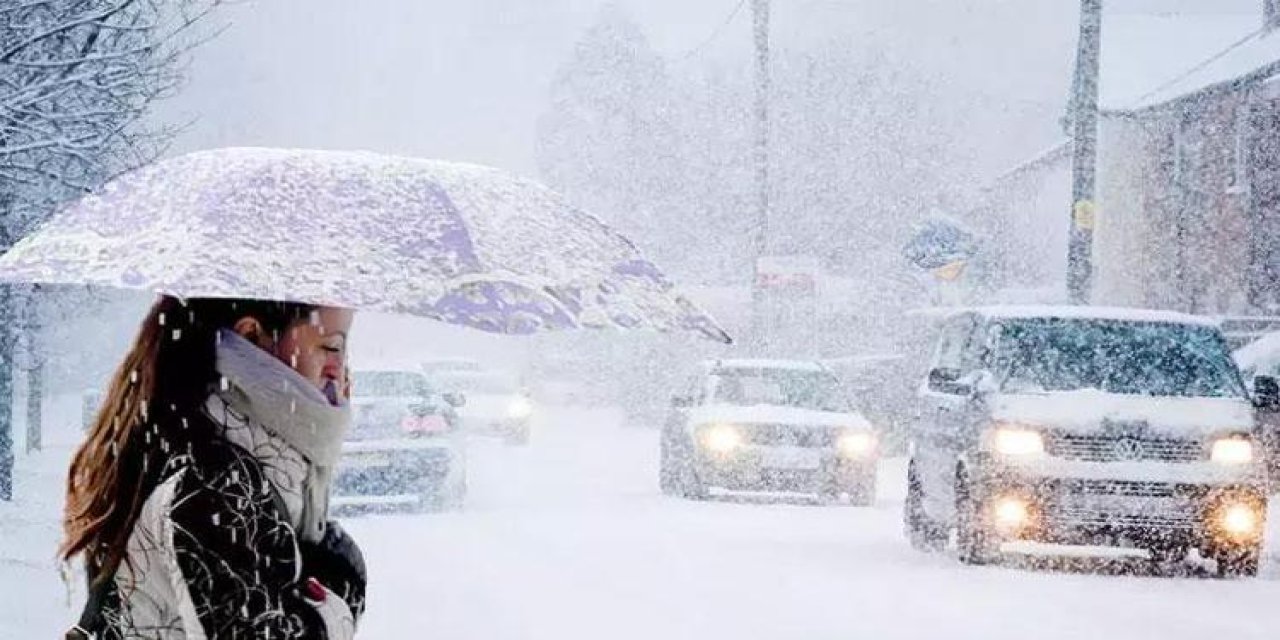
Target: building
[{"x": 1188, "y": 171}]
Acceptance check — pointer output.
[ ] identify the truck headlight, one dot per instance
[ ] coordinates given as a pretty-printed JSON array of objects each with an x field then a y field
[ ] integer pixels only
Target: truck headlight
[
  {"x": 1232, "y": 450},
  {"x": 1016, "y": 441},
  {"x": 722, "y": 438},
  {"x": 856, "y": 444},
  {"x": 520, "y": 408}
]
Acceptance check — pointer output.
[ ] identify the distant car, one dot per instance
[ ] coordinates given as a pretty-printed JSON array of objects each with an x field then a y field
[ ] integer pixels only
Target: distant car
[
  {"x": 405, "y": 448},
  {"x": 768, "y": 426},
  {"x": 1087, "y": 426},
  {"x": 497, "y": 404}
]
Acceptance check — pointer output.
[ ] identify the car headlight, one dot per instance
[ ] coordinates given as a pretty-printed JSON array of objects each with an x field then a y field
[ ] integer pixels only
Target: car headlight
[
  {"x": 520, "y": 408},
  {"x": 722, "y": 438},
  {"x": 1232, "y": 450},
  {"x": 1017, "y": 441},
  {"x": 856, "y": 444}
]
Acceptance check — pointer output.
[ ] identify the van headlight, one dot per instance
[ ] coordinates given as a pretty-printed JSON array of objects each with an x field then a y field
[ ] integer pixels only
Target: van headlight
[
  {"x": 1233, "y": 450},
  {"x": 520, "y": 408},
  {"x": 856, "y": 444},
  {"x": 1016, "y": 441},
  {"x": 722, "y": 438}
]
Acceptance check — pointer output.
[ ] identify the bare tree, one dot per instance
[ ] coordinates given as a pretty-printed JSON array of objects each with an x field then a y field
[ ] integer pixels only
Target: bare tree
[{"x": 76, "y": 79}]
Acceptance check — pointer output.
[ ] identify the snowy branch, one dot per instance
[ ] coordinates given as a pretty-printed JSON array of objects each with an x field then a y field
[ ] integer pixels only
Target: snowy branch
[{"x": 76, "y": 80}]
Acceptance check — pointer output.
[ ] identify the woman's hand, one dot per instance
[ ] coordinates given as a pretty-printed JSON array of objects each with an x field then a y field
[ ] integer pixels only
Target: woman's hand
[{"x": 337, "y": 563}]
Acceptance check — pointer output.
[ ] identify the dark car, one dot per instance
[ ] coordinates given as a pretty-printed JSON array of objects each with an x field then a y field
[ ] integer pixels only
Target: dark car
[{"x": 405, "y": 448}]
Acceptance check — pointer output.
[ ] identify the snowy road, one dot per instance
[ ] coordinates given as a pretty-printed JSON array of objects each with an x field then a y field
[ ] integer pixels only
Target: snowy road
[{"x": 570, "y": 538}]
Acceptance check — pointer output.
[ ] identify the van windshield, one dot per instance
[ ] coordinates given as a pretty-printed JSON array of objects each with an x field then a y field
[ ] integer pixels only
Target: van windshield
[{"x": 1135, "y": 358}]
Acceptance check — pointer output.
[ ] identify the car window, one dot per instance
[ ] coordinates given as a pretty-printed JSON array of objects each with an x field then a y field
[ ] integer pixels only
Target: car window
[
  {"x": 816, "y": 390},
  {"x": 1142, "y": 358}
]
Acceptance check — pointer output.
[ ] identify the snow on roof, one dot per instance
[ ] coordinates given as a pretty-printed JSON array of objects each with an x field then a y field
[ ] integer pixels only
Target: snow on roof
[
  {"x": 1149, "y": 60},
  {"x": 760, "y": 363},
  {"x": 1084, "y": 312}
]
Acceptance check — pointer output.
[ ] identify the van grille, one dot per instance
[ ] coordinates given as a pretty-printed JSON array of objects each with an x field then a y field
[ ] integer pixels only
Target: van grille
[{"x": 1123, "y": 449}]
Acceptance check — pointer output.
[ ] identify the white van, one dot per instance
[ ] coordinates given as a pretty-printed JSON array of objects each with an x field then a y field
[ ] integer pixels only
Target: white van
[{"x": 1087, "y": 426}]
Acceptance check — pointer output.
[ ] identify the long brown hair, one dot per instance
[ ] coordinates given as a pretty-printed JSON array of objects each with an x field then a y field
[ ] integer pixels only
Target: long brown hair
[{"x": 171, "y": 368}]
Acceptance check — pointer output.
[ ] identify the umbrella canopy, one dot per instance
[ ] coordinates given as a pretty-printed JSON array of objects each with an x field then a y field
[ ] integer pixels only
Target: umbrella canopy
[{"x": 460, "y": 243}]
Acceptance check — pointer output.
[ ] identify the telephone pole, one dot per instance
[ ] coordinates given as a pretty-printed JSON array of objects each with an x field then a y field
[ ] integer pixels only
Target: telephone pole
[
  {"x": 1084, "y": 142},
  {"x": 760, "y": 239}
]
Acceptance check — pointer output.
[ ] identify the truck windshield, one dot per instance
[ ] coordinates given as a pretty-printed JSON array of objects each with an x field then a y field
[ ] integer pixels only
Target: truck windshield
[
  {"x": 1135, "y": 358},
  {"x": 781, "y": 388}
]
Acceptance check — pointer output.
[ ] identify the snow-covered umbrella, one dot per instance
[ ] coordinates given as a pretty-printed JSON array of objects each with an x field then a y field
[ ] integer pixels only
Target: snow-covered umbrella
[{"x": 460, "y": 243}]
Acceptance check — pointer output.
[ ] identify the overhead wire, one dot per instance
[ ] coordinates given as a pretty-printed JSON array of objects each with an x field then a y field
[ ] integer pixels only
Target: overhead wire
[{"x": 715, "y": 35}]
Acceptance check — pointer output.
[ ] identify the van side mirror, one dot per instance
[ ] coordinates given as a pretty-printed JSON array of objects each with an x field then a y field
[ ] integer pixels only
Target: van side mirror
[
  {"x": 947, "y": 380},
  {"x": 1266, "y": 394},
  {"x": 455, "y": 399},
  {"x": 982, "y": 382}
]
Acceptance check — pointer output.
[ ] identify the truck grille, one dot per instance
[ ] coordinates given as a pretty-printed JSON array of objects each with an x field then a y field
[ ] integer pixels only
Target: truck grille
[
  {"x": 1123, "y": 449},
  {"x": 786, "y": 435}
]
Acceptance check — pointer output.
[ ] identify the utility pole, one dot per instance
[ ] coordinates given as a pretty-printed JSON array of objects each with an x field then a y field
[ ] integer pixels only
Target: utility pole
[
  {"x": 6, "y": 391},
  {"x": 35, "y": 370},
  {"x": 760, "y": 240},
  {"x": 1084, "y": 142}
]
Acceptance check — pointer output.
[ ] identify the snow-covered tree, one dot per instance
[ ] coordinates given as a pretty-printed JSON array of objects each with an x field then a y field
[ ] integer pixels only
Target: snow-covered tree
[
  {"x": 76, "y": 78},
  {"x": 606, "y": 140}
]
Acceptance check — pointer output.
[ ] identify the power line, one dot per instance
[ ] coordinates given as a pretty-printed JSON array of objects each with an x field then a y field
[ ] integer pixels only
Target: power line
[{"x": 714, "y": 34}]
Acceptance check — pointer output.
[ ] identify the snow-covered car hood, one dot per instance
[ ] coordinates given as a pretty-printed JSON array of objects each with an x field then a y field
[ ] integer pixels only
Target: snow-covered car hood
[
  {"x": 770, "y": 414},
  {"x": 391, "y": 401},
  {"x": 399, "y": 444},
  {"x": 1087, "y": 411}
]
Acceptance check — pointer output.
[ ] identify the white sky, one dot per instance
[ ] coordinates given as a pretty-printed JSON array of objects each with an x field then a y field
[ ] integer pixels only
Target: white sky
[{"x": 467, "y": 80}]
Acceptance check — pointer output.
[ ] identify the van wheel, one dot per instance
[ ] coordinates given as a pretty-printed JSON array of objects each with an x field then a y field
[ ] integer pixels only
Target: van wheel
[
  {"x": 1239, "y": 563},
  {"x": 923, "y": 533},
  {"x": 976, "y": 544}
]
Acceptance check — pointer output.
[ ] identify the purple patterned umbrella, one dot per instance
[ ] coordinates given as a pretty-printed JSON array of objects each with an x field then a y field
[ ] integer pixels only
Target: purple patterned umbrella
[{"x": 459, "y": 243}]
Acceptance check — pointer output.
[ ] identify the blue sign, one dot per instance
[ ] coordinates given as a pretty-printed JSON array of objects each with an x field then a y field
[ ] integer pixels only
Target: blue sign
[{"x": 938, "y": 243}]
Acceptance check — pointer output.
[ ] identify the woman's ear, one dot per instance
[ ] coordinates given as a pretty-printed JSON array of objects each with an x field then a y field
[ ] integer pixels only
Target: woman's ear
[{"x": 251, "y": 329}]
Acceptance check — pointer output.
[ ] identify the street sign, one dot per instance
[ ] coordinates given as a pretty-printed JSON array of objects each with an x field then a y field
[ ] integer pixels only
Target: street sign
[{"x": 940, "y": 243}]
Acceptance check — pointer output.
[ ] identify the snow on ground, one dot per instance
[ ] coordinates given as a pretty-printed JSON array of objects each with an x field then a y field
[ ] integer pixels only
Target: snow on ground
[{"x": 569, "y": 538}]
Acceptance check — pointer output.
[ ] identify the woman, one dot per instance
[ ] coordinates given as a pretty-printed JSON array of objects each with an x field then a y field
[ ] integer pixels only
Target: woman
[{"x": 199, "y": 498}]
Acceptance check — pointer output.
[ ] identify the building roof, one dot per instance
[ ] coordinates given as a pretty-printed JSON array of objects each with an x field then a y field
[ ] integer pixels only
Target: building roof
[
  {"x": 1149, "y": 61},
  {"x": 1152, "y": 60}
]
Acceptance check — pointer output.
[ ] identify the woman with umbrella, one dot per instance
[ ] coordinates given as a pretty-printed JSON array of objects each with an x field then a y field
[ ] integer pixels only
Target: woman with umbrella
[{"x": 199, "y": 497}]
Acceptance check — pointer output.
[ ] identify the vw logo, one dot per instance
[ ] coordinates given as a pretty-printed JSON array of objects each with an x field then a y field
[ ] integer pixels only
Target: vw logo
[{"x": 1127, "y": 449}]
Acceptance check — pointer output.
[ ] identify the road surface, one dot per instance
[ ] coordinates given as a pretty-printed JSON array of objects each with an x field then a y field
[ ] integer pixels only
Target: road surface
[{"x": 570, "y": 538}]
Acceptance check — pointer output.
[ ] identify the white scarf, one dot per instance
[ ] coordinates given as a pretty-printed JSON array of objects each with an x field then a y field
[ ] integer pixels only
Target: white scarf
[{"x": 289, "y": 406}]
